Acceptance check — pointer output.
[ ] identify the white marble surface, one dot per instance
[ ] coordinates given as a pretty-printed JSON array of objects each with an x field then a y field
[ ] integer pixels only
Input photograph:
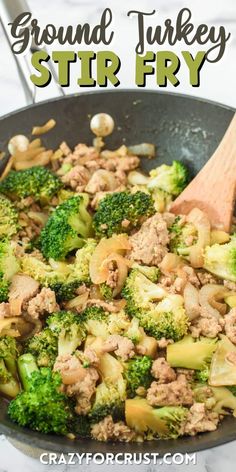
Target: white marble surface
[{"x": 217, "y": 83}]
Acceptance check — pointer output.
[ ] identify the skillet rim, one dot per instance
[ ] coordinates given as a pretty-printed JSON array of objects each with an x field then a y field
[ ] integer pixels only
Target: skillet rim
[{"x": 126, "y": 90}]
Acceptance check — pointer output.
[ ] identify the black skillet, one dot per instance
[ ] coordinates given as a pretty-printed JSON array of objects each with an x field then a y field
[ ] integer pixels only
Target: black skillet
[{"x": 181, "y": 128}]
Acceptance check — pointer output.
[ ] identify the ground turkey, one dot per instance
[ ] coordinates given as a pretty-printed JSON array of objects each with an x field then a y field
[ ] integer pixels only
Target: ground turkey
[
  {"x": 149, "y": 243},
  {"x": 162, "y": 371},
  {"x": 107, "y": 430},
  {"x": 122, "y": 346},
  {"x": 43, "y": 303},
  {"x": 200, "y": 419},
  {"x": 174, "y": 393}
]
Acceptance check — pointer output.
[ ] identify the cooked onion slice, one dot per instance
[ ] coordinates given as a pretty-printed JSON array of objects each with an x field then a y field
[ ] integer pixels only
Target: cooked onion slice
[
  {"x": 143, "y": 149},
  {"x": 207, "y": 294},
  {"x": 191, "y": 301},
  {"x": 37, "y": 130},
  {"x": 117, "y": 244},
  {"x": 203, "y": 227}
]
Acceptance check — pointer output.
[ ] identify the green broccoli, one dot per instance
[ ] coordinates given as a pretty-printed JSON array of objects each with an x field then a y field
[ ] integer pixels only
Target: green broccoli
[
  {"x": 115, "y": 208},
  {"x": 106, "y": 291},
  {"x": 109, "y": 400},
  {"x": 69, "y": 329},
  {"x": 152, "y": 273},
  {"x": 37, "y": 182},
  {"x": 134, "y": 332},
  {"x": 98, "y": 322},
  {"x": 161, "y": 199},
  {"x": 9, "y": 384},
  {"x": 8, "y": 268},
  {"x": 164, "y": 423},
  {"x": 66, "y": 228},
  {"x": 61, "y": 277},
  {"x": 190, "y": 353},
  {"x": 172, "y": 179},
  {"x": 220, "y": 259},
  {"x": 137, "y": 372},
  {"x": 159, "y": 313},
  {"x": 80, "y": 267},
  {"x": 222, "y": 371},
  {"x": 42, "y": 407},
  {"x": 202, "y": 375},
  {"x": 82, "y": 426},
  {"x": 43, "y": 346},
  {"x": 180, "y": 235},
  {"x": 46, "y": 274},
  {"x": 8, "y": 218}
]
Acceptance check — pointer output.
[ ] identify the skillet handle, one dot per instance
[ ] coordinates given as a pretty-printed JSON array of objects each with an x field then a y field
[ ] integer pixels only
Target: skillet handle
[{"x": 9, "y": 10}]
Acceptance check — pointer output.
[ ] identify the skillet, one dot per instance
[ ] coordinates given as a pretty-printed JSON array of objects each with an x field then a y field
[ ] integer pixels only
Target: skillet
[{"x": 181, "y": 127}]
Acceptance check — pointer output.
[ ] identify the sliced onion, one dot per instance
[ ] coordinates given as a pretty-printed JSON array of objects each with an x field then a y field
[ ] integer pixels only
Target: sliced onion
[
  {"x": 170, "y": 262},
  {"x": 36, "y": 143},
  {"x": 203, "y": 227},
  {"x": 38, "y": 217},
  {"x": 143, "y": 149},
  {"x": 41, "y": 159},
  {"x": 117, "y": 244},
  {"x": 37, "y": 130},
  {"x": 191, "y": 301},
  {"x": 78, "y": 302},
  {"x": 122, "y": 267},
  {"x": 137, "y": 178},
  {"x": 7, "y": 168},
  {"x": 207, "y": 294},
  {"x": 28, "y": 155}
]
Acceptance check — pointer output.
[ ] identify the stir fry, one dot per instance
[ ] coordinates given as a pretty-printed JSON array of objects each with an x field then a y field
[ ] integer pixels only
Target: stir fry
[{"x": 117, "y": 317}]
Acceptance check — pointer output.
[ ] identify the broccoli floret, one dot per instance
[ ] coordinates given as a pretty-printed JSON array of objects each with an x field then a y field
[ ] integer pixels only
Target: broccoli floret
[
  {"x": 179, "y": 236},
  {"x": 161, "y": 199},
  {"x": 8, "y": 268},
  {"x": 46, "y": 274},
  {"x": 106, "y": 291},
  {"x": 233, "y": 389},
  {"x": 165, "y": 422},
  {"x": 172, "y": 179},
  {"x": 56, "y": 275},
  {"x": 66, "y": 228},
  {"x": 43, "y": 346},
  {"x": 69, "y": 329},
  {"x": 109, "y": 400},
  {"x": 166, "y": 318},
  {"x": 190, "y": 353},
  {"x": 220, "y": 259},
  {"x": 223, "y": 372},
  {"x": 152, "y": 273},
  {"x": 100, "y": 323},
  {"x": 8, "y": 367},
  {"x": 120, "y": 206},
  {"x": 202, "y": 375},
  {"x": 82, "y": 426},
  {"x": 134, "y": 332},
  {"x": 42, "y": 407},
  {"x": 80, "y": 268},
  {"x": 8, "y": 218},
  {"x": 37, "y": 182},
  {"x": 137, "y": 372}
]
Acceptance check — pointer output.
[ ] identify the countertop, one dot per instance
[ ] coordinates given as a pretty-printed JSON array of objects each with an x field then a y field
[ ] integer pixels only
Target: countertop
[{"x": 217, "y": 83}]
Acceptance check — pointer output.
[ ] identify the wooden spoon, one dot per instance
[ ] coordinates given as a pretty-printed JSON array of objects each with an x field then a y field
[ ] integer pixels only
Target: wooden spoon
[{"x": 213, "y": 189}]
